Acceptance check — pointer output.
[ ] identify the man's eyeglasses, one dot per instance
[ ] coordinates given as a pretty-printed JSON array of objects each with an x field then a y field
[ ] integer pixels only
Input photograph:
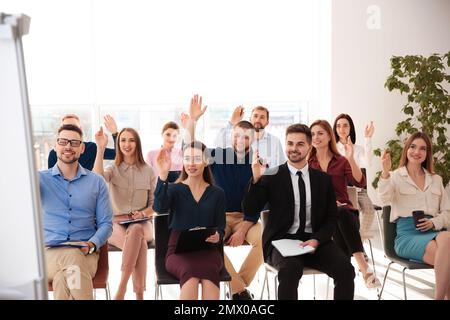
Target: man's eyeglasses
[{"x": 64, "y": 142}]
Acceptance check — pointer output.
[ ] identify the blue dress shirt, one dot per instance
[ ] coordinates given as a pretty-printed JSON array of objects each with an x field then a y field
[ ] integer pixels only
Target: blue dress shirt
[{"x": 75, "y": 210}]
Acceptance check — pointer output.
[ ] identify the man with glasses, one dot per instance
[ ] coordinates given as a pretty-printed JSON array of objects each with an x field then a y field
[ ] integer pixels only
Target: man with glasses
[
  {"x": 87, "y": 158},
  {"x": 77, "y": 218}
]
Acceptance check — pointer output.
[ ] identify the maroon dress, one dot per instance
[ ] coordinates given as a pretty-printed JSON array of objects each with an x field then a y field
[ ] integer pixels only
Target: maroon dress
[{"x": 201, "y": 264}]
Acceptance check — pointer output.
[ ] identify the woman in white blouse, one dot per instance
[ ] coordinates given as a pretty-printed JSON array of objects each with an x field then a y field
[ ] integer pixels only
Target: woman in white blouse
[
  {"x": 344, "y": 131},
  {"x": 415, "y": 186}
]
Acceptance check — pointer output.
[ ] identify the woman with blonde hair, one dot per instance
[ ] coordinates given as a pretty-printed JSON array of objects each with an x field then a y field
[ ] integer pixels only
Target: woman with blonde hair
[
  {"x": 342, "y": 169},
  {"x": 414, "y": 186},
  {"x": 131, "y": 186}
]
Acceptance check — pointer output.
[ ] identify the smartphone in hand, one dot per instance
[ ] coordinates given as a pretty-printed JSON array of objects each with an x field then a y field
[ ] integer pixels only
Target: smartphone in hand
[{"x": 417, "y": 215}]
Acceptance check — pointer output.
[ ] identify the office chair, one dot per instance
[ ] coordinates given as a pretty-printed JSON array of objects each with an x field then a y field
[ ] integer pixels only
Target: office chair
[
  {"x": 100, "y": 280},
  {"x": 271, "y": 269},
  {"x": 161, "y": 225},
  {"x": 390, "y": 232}
]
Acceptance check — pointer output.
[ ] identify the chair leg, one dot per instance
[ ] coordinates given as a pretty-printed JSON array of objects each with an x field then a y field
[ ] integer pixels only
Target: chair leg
[
  {"x": 404, "y": 282},
  {"x": 108, "y": 292},
  {"x": 95, "y": 294},
  {"x": 265, "y": 282},
  {"x": 373, "y": 263},
  {"x": 276, "y": 287},
  {"x": 384, "y": 280},
  {"x": 328, "y": 287},
  {"x": 156, "y": 291},
  {"x": 314, "y": 286},
  {"x": 380, "y": 230}
]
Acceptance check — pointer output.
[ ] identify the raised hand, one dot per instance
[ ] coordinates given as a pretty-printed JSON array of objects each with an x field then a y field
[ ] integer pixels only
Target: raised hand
[
  {"x": 163, "y": 164},
  {"x": 368, "y": 132},
  {"x": 110, "y": 124},
  {"x": 196, "y": 109},
  {"x": 184, "y": 120},
  {"x": 258, "y": 167},
  {"x": 386, "y": 162},
  {"x": 349, "y": 149},
  {"x": 237, "y": 115},
  {"x": 101, "y": 139}
]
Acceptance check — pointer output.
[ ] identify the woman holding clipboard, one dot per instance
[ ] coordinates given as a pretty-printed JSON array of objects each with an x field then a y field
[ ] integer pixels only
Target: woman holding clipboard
[
  {"x": 193, "y": 202},
  {"x": 131, "y": 186}
]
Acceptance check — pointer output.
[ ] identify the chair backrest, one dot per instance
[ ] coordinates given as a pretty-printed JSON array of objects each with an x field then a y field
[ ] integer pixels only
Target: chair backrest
[
  {"x": 264, "y": 218},
  {"x": 353, "y": 196},
  {"x": 161, "y": 225},
  {"x": 101, "y": 276},
  {"x": 389, "y": 232}
]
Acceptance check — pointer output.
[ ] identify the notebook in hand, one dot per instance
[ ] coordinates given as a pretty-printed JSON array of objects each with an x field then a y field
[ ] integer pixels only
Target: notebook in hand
[
  {"x": 73, "y": 244},
  {"x": 194, "y": 239},
  {"x": 134, "y": 220}
]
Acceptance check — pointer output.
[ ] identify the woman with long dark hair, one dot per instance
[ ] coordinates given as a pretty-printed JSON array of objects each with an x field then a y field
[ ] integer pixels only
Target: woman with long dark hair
[
  {"x": 131, "y": 186},
  {"x": 192, "y": 201},
  {"x": 345, "y": 133},
  {"x": 325, "y": 156},
  {"x": 415, "y": 186}
]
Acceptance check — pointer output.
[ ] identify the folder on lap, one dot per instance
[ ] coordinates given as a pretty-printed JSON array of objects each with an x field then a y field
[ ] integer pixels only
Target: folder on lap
[
  {"x": 134, "y": 220},
  {"x": 291, "y": 247},
  {"x": 194, "y": 239}
]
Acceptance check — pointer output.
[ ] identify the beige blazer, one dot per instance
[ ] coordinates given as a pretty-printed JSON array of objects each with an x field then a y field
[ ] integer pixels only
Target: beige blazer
[{"x": 404, "y": 196}]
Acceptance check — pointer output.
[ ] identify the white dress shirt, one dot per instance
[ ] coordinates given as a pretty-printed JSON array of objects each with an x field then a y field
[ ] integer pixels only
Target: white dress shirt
[{"x": 294, "y": 178}]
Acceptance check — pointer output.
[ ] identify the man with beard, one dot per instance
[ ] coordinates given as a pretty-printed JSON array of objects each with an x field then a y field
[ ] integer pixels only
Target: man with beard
[
  {"x": 302, "y": 207},
  {"x": 87, "y": 158},
  {"x": 232, "y": 171},
  {"x": 268, "y": 145},
  {"x": 77, "y": 218}
]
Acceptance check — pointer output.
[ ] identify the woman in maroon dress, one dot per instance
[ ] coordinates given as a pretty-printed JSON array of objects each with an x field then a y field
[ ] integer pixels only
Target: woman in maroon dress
[{"x": 193, "y": 201}]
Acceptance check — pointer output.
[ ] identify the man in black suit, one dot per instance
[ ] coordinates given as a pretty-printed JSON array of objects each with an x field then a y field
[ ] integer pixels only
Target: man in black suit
[{"x": 302, "y": 206}]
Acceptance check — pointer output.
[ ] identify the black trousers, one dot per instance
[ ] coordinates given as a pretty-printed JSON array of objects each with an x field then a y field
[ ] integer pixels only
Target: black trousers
[
  {"x": 327, "y": 258},
  {"x": 347, "y": 235}
]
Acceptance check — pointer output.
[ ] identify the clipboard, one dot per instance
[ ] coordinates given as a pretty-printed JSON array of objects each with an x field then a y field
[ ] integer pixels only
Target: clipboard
[
  {"x": 125, "y": 222},
  {"x": 194, "y": 239}
]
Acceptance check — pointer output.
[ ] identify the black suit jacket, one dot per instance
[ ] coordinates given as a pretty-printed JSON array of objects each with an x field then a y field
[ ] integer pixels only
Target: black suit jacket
[{"x": 276, "y": 190}]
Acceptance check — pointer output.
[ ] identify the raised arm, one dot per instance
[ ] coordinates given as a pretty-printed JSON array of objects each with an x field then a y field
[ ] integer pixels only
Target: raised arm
[
  {"x": 368, "y": 150},
  {"x": 196, "y": 110},
  {"x": 162, "y": 199},
  {"x": 356, "y": 173},
  {"x": 101, "y": 139},
  {"x": 386, "y": 187}
]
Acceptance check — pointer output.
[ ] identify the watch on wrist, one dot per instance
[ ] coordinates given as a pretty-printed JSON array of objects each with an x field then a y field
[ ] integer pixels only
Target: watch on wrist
[{"x": 92, "y": 249}]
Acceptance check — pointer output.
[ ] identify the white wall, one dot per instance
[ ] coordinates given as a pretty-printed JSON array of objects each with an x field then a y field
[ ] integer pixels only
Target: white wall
[{"x": 360, "y": 57}]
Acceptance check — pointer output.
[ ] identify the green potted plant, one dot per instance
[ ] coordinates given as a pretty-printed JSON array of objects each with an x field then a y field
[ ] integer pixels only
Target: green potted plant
[{"x": 423, "y": 79}]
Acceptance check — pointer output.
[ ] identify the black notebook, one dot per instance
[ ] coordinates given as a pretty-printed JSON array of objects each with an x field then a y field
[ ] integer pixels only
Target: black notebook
[
  {"x": 194, "y": 239},
  {"x": 134, "y": 220}
]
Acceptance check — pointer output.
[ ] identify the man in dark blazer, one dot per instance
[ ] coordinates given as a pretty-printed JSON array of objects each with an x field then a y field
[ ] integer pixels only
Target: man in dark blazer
[{"x": 302, "y": 206}]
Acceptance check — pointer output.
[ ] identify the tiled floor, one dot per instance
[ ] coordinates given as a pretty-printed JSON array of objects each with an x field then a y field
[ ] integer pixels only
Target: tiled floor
[{"x": 420, "y": 284}]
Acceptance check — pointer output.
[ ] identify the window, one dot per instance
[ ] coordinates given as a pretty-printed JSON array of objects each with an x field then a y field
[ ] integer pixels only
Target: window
[{"x": 141, "y": 61}]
